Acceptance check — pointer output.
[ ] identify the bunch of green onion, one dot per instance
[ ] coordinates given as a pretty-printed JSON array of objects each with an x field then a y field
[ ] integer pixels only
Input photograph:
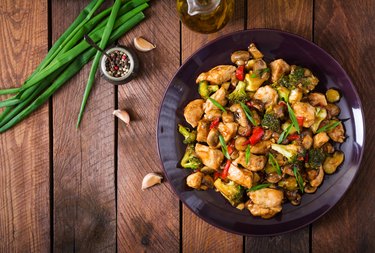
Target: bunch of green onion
[{"x": 68, "y": 55}]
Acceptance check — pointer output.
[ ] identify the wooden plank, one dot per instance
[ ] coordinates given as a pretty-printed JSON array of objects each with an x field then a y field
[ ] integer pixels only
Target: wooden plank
[
  {"x": 296, "y": 17},
  {"x": 84, "y": 174},
  {"x": 199, "y": 236},
  {"x": 24, "y": 159},
  {"x": 345, "y": 30},
  {"x": 148, "y": 221}
]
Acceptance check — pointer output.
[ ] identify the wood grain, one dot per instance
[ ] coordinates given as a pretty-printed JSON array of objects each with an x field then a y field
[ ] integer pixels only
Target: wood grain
[
  {"x": 24, "y": 159},
  {"x": 297, "y": 17},
  {"x": 199, "y": 236},
  {"x": 84, "y": 174},
  {"x": 345, "y": 29},
  {"x": 148, "y": 221}
]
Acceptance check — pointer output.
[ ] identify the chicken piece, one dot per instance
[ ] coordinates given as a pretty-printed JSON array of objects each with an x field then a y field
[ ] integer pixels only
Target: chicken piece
[
  {"x": 265, "y": 202},
  {"x": 228, "y": 130},
  {"x": 279, "y": 111},
  {"x": 317, "y": 99},
  {"x": 254, "y": 51},
  {"x": 212, "y": 158},
  {"x": 195, "y": 180},
  {"x": 213, "y": 138},
  {"x": 219, "y": 96},
  {"x": 240, "y": 176},
  {"x": 267, "y": 95},
  {"x": 239, "y": 115},
  {"x": 295, "y": 95},
  {"x": 306, "y": 111},
  {"x": 256, "y": 163},
  {"x": 203, "y": 130},
  {"x": 212, "y": 115},
  {"x": 307, "y": 142},
  {"x": 217, "y": 75},
  {"x": 193, "y": 112},
  {"x": 228, "y": 117},
  {"x": 278, "y": 68},
  {"x": 261, "y": 148},
  {"x": 337, "y": 134},
  {"x": 320, "y": 139}
]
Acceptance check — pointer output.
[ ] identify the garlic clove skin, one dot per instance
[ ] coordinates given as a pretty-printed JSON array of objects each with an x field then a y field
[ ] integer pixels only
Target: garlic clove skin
[
  {"x": 143, "y": 45},
  {"x": 150, "y": 180},
  {"x": 122, "y": 115}
]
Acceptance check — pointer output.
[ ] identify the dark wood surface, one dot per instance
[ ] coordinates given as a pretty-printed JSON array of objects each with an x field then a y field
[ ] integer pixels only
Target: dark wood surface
[{"x": 64, "y": 189}]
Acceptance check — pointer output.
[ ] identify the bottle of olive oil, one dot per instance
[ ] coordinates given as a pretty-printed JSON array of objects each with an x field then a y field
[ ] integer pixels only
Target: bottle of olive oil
[{"x": 205, "y": 16}]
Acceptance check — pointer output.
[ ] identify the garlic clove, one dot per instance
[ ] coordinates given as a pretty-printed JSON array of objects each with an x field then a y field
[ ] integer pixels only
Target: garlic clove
[
  {"x": 150, "y": 180},
  {"x": 123, "y": 115},
  {"x": 143, "y": 45}
]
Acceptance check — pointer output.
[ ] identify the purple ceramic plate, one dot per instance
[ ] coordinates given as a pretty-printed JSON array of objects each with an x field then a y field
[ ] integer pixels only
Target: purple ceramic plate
[{"x": 210, "y": 205}]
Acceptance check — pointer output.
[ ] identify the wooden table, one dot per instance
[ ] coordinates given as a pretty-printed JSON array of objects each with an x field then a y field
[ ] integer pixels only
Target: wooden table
[{"x": 68, "y": 190}]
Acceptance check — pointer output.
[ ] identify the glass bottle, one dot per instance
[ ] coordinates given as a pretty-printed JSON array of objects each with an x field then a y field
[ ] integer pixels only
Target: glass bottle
[{"x": 205, "y": 16}]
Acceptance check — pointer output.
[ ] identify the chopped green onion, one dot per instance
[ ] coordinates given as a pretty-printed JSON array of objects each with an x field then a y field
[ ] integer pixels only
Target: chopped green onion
[
  {"x": 217, "y": 104},
  {"x": 253, "y": 75},
  {"x": 274, "y": 163},
  {"x": 284, "y": 134},
  {"x": 258, "y": 187},
  {"x": 248, "y": 114},
  {"x": 298, "y": 178},
  {"x": 247, "y": 154},
  {"x": 224, "y": 148},
  {"x": 328, "y": 127},
  {"x": 95, "y": 63},
  {"x": 293, "y": 118}
]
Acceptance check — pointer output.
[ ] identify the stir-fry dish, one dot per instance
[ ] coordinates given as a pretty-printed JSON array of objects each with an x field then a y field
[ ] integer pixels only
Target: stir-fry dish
[{"x": 259, "y": 134}]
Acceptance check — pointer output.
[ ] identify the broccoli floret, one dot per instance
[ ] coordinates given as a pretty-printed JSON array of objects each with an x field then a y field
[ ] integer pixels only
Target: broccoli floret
[
  {"x": 290, "y": 151},
  {"x": 239, "y": 94},
  {"x": 316, "y": 158},
  {"x": 271, "y": 122},
  {"x": 320, "y": 115},
  {"x": 190, "y": 159},
  {"x": 189, "y": 136},
  {"x": 205, "y": 90},
  {"x": 297, "y": 78},
  {"x": 231, "y": 191}
]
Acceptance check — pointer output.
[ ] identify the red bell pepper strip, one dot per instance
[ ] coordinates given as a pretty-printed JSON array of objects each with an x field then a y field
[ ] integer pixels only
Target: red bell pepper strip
[
  {"x": 240, "y": 73},
  {"x": 224, "y": 174},
  {"x": 257, "y": 135},
  {"x": 216, "y": 175},
  {"x": 300, "y": 120},
  {"x": 215, "y": 123},
  {"x": 293, "y": 137},
  {"x": 230, "y": 147}
]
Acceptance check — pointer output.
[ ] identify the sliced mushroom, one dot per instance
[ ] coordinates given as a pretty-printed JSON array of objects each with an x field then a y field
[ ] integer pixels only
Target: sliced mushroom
[
  {"x": 240, "y": 57},
  {"x": 332, "y": 110},
  {"x": 319, "y": 178},
  {"x": 310, "y": 189},
  {"x": 213, "y": 138},
  {"x": 337, "y": 134},
  {"x": 202, "y": 130},
  {"x": 193, "y": 112},
  {"x": 239, "y": 115},
  {"x": 255, "y": 52},
  {"x": 240, "y": 143},
  {"x": 244, "y": 131}
]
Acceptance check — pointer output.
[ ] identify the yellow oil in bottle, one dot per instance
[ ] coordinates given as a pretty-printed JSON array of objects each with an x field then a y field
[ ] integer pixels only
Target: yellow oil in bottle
[{"x": 205, "y": 16}]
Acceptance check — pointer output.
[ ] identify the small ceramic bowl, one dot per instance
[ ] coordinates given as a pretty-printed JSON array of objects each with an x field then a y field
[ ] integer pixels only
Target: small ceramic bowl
[{"x": 133, "y": 65}]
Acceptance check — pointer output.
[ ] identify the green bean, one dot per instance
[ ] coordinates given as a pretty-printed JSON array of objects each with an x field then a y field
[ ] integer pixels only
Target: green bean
[
  {"x": 70, "y": 55},
  {"x": 95, "y": 63},
  {"x": 70, "y": 71}
]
